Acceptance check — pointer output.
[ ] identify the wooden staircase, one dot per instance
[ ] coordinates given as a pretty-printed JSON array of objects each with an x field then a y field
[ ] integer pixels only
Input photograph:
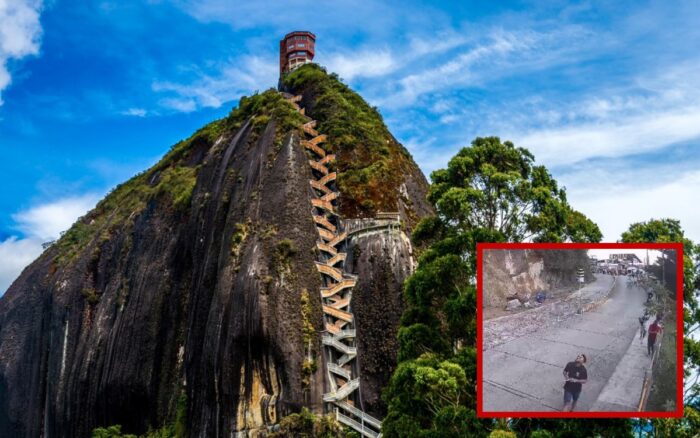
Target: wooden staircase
[{"x": 339, "y": 340}]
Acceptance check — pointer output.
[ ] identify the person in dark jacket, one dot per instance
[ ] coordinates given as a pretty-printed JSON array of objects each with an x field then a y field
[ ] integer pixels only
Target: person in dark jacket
[{"x": 576, "y": 375}]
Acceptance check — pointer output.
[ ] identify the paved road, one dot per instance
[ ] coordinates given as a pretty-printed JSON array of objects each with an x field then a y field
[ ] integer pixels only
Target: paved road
[{"x": 525, "y": 374}]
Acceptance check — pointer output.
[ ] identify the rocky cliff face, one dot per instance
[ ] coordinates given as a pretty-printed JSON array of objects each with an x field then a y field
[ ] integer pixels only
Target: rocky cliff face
[
  {"x": 508, "y": 273},
  {"x": 189, "y": 296}
]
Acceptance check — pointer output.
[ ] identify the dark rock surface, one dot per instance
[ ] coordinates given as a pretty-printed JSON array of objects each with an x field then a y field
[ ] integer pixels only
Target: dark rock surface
[
  {"x": 201, "y": 303},
  {"x": 382, "y": 260}
]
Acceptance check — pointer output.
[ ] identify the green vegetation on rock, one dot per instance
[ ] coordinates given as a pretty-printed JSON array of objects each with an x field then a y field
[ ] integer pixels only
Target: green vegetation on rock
[
  {"x": 307, "y": 425},
  {"x": 370, "y": 162},
  {"x": 263, "y": 107},
  {"x": 174, "y": 177},
  {"x": 309, "y": 366},
  {"x": 176, "y": 429}
]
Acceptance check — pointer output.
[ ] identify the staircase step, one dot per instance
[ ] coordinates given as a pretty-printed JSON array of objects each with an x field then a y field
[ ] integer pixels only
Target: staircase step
[
  {"x": 318, "y": 167},
  {"x": 340, "y": 314}
]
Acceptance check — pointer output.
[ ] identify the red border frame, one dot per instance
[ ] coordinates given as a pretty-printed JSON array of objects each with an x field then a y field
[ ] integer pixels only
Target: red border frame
[{"x": 480, "y": 247}]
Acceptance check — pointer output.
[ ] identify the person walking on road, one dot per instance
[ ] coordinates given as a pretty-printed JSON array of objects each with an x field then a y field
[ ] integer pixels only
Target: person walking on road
[
  {"x": 575, "y": 375},
  {"x": 654, "y": 329},
  {"x": 642, "y": 323}
]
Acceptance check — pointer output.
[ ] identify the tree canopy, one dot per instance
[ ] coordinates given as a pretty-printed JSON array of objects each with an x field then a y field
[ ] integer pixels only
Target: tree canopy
[
  {"x": 490, "y": 192},
  {"x": 670, "y": 230}
]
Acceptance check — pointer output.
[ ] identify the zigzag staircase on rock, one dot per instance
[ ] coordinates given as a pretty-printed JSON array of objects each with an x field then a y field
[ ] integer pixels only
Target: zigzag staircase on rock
[{"x": 336, "y": 294}]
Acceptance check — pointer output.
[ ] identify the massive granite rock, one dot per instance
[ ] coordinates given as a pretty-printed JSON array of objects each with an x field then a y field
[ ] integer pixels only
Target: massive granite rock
[{"x": 190, "y": 293}]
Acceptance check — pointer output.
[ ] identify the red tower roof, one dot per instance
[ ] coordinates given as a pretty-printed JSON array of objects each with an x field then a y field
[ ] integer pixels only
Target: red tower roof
[{"x": 296, "y": 49}]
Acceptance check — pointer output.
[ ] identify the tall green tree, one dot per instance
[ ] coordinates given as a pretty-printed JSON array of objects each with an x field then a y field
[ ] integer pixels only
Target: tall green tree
[
  {"x": 489, "y": 192},
  {"x": 670, "y": 230}
]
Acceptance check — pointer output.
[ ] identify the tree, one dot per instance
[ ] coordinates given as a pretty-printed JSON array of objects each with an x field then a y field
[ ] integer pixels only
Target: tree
[
  {"x": 490, "y": 192},
  {"x": 665, "y": 231},
  {"x": 495, "y": 186},
  {"x": 670, "y": 230}
]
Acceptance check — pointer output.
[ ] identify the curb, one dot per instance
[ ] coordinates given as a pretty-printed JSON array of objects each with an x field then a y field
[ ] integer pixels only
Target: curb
[{"x": 594, "y": 304}]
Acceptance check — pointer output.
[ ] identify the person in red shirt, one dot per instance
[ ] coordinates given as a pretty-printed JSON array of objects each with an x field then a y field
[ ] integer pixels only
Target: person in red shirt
[{"x": 654, "y": 329}]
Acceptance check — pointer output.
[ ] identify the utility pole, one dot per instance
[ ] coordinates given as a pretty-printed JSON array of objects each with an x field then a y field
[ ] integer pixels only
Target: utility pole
[
  {"x": 580, "y": 275},
  {"x": 663, "y": 268}
]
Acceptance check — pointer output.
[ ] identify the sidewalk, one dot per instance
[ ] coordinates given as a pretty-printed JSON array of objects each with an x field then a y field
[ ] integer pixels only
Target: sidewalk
[{"x": 624, "y": 388}]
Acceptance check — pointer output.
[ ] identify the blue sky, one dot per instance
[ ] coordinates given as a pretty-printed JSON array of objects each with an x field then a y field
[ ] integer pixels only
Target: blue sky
[{"x": 606, "y": 94}]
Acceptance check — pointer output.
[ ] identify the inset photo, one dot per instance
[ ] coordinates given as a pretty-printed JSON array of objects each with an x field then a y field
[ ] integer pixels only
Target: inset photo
[{"x": 580, "y": 330}]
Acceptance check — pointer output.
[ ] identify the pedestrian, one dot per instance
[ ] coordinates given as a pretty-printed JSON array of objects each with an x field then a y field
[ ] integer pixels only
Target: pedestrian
[
  {"x": 575, "y": 375},
  {"x": 654, "y": 329},
  {"x": 642, "y": 321}
]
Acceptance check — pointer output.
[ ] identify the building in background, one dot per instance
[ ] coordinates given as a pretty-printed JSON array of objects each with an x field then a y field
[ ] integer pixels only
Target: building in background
[{"x": 296, "y": 49}]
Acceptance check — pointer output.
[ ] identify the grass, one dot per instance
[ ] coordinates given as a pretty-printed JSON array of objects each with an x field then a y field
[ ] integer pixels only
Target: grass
[
  {"x": 172, "y": 180},
  {"x": 261, "y": 108},
  {"x": 371, "y": 163}
]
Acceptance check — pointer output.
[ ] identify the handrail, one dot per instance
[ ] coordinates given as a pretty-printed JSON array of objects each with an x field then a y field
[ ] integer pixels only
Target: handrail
[
  {"x": 335, "y": 273},
  {"x": 327, "y": 159},
  {"x": 332, "y": 196},
  {"x": 341, "y": 303},
  {"x": 339, "y": 336},
  {"x": 326, "y": 248},
  {"x": 358, "y": 413},
  {"x": 321, "y": 220},
  {"x": 337, "y": 287},
  {"x": 325, "y": 205},
  {"x": 340, "y": 314},
  {"x": 328, "y": 178},
  {"x": 339, "y": 238},
  {"x": 325, "y": 234},
  {"x": 320, "y": 167},
  {"x": 346, "y": 349},
  {"x": 369, "y": 433},
  {"x": 340, "y": 257},
  {"x": 312, "y": 147},
  {"x": 342, "y": 372},
  {"x": 319, "y": 186},
  {"x": 318, "y": 139},
  {"x": 343, "y": 391}
]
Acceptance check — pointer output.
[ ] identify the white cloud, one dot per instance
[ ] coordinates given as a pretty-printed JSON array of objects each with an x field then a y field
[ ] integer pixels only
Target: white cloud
[
  {"x": 136, "y": 112},
  {"x": 16, "y": 254},
  {"x": 656, "y": 110},
  {"x": 501, "y": 53},
  {"x": 332, "y": 17},
  {"x": 38, "y": 224},
  {"x": 234, "y": 79},
  {"x": 46, "y": 221},
  {"x": 614, "y": 138},
  {"x": 20, "y": 33},
  {"x": 614, "y": 199},
  {"x": 362, "y": 63}
]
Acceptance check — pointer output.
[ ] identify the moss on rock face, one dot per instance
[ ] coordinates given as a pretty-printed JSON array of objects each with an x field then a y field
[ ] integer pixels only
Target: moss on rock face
[
  {"x": 174, "y": 177},
  {"x": 372, "y": 165},
  {"x": 262, "y": 108}
]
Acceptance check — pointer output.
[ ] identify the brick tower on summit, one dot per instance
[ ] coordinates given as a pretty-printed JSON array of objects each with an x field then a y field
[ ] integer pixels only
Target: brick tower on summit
[{"x": 296, "y": 49}]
